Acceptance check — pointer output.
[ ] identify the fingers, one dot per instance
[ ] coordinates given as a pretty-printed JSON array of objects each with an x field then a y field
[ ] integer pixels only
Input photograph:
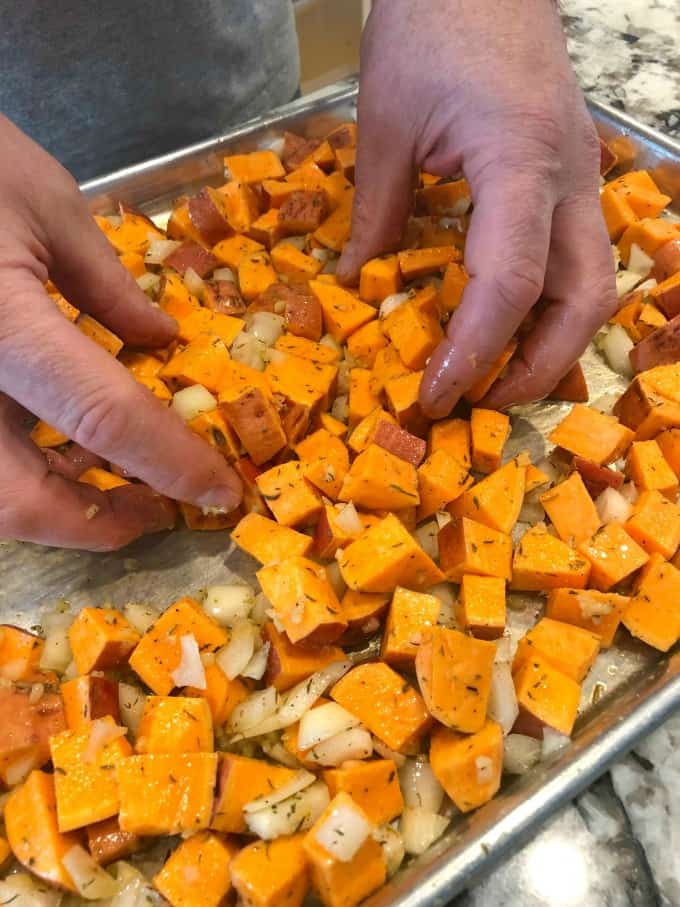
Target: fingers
[
  {"x": 580, "y": 288},
  {"x": 505, "y": 254},
  {"x": 39, "y": 506},
  {"x": 72, "y": 462},
  {"x": 385, "y": 183},
  {"x": 77, "y": 387}
]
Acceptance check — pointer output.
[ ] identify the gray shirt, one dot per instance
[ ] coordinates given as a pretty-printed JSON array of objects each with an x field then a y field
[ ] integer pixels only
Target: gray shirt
[{"x": 106, "y": 83}]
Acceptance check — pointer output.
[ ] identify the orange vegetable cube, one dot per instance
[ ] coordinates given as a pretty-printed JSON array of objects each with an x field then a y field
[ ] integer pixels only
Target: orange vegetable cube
[
  {"x": 332, "y": 425},
  {"x": 649, "y": 470},
  {"x": 289, "y": 496},
  {"x": 255, "y": 274},
  {"x": 294, "y": 264},
  {"x": 365, "y": 344},
  {"x": 373, "y": 786},
  {"x": 304, "y": 601},
  {"x": 655, "y": 524},
  {"x": 101, "y": 638},
  {"x": 649, "y": 319},
  {"x": 254, "y": 167},
  {"x": 450, "y": 199},
  {"x": 365, "y": 431},
  {"x": 598, "y": 612},
  {"x": 175, "y": 724},
  {"x": 20, "y": 652},
  {"x": 543, "y": 562},
  {"x": 592, "y": 435},
  {"x": 45, "y": 435},
  {"x": 452, "y": 436},
  {"x": 413, "y": 333},
  {"x": 385, "y": 556},
  {"x": 535, "y": 477},
  {"x": 379, "y": 277},
  {"x": 241, "y": 780},
  {"x": 402, "y": 401},
  {"x": 329, "y": 535},
  {"x": 198, "y": 521},
  {"x": 546, "y": 698},
  {"x": 455, "y": 280},
  {"x": 221, "y": 694},
  {"x": 31, "y": 827},
  {"x": 267, "y": 230},
  {"x": 325, "y": 461},
  {"x": 388, "y": 706},
  {"x": 289, "y": 664},
  {"x": 204, "y": 361},
  {"x": 213, "y": 428},
  {"x": 415, "y": 263},
  {"x": 271, "y": 873},
  {"x": 198, "y": 872},
  {"x": 481, "y": 605},
  {"x": 166, "y": 793},
  {"x": 307, "y": 349},
  {"x": 363, "y": 613},
  {"x": 441, "y": 480},
  {"x": 454, "y": 676},
  {"x": 253, "y": 416},
  {"x": 617, "y": 212},
  {"x": 496, "y": 500},
  {"x": 102, "y": 336},
  {"x": 28, "y": 724},
  {"x": 468, "y": 767},
  {"x": 613, "y": 556},
  {"x": 363, "y": 398},
  {"x": 466, "y": 546},
  {"x": 343, "y": 313},
  {"x": 88, "y": 698},
  {"x": 570, "y": 649},
  {"x": 159, "y": 652},
  {"x": 334, "y": 232},
  {"x": 267, "y": 541},
  {"x": 379, "y": 480},
  {"x": 85, "y": 779},
  {"x": 387, "y": 365},
  {"x": 489, "y": 430},
  {"x": 231, "y": 251},
  {"x": 571, "y": 510},
  {"x": 240, "y": 205},
  {"x": 653, "y": 614},
  {"x": 410, "y": 614},
  {"x": 101, "y": 479},
  {"x": 641, "y": 193}
]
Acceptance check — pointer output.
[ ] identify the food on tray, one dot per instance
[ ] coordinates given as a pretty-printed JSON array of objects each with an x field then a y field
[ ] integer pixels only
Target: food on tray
[{"x": 312, "y": 733}]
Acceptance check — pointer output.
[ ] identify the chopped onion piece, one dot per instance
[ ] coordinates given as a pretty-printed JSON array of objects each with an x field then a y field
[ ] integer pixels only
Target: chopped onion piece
[
  {"x": 253, "y": 711},
  {"x": 194, "y": 283},
  {"x": 141, "y": 617},
  {"x": 520, "y": 753},
  {"x": 278, "y": 753},
  {"x": 483, "y": 769},
  {"x": 258, "y": 615},
  {"x": 301, "y": 780},
  {"x": 616, "y": 346},
  {"x": 190, "y": 671},
  {"x": 532, "y": 510},
  {"x": 504, "y": 650},
  {"x": 629, "y": 492},
  {"x": 447, "y": 604},
  {"x": 298, "y": 241},
  {"x": 37, "y": 693},
  {"x": 647, "y": 285},
  {"x": 419, "y": 787},
  {"x": 384, "y": 750},
  {"x": 275, "y": 356},
  {"x": 353, "y": 744},
  {"x": 392, "y": 847},
  {"x": 91, "y": 881},
  {"x": 348, "y": 520},
  {"x": 340, "y": 408},
  {"x": 224, "y": 274},
  {"x": 192, "y": 401},
  {"x": 420, "y": 828},
  {"x": 613, "y": 507},
  {"x": 159, "y": 249},
  {"x": 102, "y": 732},
  {"x": 639, "y": 262},
  {"x": 443, "y": 518},
  {"x": 332, "y": 344},
  {"x": 553, "y": 741},
  {"x": 625, "y": 282},
  {"x": 229, "y": 604},
  {"x": 297, "y": 813},
  {"x": 343, "y": 832},
  {"x": 427, "y": 536},
  {"x": 391, "y": 303},
  {"x": 256, "y": 667},
  {"x": 23, "y": 890},
  {"x": 56, "y": 654},
  {"x": 323, "y": 722},
  {"x": 20, "y": 769},
  {"x": 322, "y": 255},
  {"x": 334, "y": 577},
  {"x": 266, "y": 326},
  {"x": 234, "y": 657},
  {"x": 148, "y": 282},
  {"x": 503, "y": 707},
  {"x": 249, "y": 350},
  {"x": 131, "y": 702}
]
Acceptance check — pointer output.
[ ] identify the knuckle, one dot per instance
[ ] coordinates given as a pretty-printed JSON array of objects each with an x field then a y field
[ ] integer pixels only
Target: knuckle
[
  {"x": 518, "y": 285},
  {"x": 100, "y": 421}
]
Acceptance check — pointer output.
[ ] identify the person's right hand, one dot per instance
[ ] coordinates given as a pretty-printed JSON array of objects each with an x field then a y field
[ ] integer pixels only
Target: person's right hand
[{"x": 49, "y": 367}]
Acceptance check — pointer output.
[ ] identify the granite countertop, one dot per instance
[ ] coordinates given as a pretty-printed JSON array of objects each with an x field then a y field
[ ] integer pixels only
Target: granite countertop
[{"x": 618, "y": 845}]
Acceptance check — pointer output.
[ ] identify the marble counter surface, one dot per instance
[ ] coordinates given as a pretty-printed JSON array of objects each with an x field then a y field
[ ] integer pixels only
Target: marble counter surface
[{"x": 618, "y": 845}]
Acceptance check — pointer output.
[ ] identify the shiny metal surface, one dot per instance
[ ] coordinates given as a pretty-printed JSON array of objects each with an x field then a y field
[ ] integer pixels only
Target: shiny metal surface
[{"x": 638, "y": 688}]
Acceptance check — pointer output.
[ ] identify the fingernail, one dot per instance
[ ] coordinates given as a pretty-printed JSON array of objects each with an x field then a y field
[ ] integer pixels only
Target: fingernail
[{"x": 223, "y": 498}]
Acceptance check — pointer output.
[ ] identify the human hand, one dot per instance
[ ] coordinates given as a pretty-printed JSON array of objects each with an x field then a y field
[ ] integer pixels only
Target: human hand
[
  {"x": 487, "y": 88},
  {"x": 49, "y": 367}
]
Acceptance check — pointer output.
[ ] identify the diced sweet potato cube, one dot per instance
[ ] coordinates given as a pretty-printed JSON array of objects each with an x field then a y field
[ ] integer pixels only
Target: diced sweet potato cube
[
  {"x": 441, "y": 480},
  {"x": 455, "y": 280},
  {"x": 546, "y": 698},
  {"x": 304, "y": 601},
  {"x": 389, "y": 707},
  {"x": 613, "y": 556},
  {"x": 597, "y": 478},
  {"x": 191, "y": 255},
  {"x": 304, "y": 348},
  {"x": 363, "y": 612},
  {"x": 592, "y": 435},
  {"x": 649, "y": 470},
  {"x": 364, "y": 433},
  {"x": 365, "y": 344},
  {"x": 543, "y": 562},
  {"x": 653, "y": 614},
  {"x": 598, "y": 612},
  {"x": 88, "y": 698},
  {"x": 239, "y": 781},
  {"x": 466, "y": 546},
  {"x": 649, "y": 234},
  {"x": 267, "y": 229},
  {"x": 410, "y": 614},
  {"x": 256, "y": 422},
  {"x": 230, "y": 251},
  {"x": 450, "y": 199},
  {"x": 667, "y": 296},
  {"x": 301, "y": 381},
  {"x": 481, "y": 606},
  {"x": 489, "y": 430},
  {"x": 267, "y": 541},
  {"x": 452, "y": 436},
  {"x": 271, "y": 873},
  {"x": 289, "y": 496},
  {"x": 203, "y": 361},
  {"x": 101, "y": 335},
  {"x": 570, "y": 649},
  {"x": 454, "y": 676},
  {"x": 379, "y": 480},
  {"x": 571, "y": 510},
  {"x": 20, "y": 652},
  {"x": 468, "y": 767},
  {"x": 166, "y": 794},
  {"x": 197, "y": 873},
  {"x": 208, "y": 214},
  {"x": 288, "y": 664},
  {"x": 101, "y": 479},
  {"x": 343, "y": 313},
  {"x": 413, "y": 333},
  {"x": 45, "y": 435},
  {"x": 363, "y": 398},
  {"x": 402, "y": 394},
  {"x": 198, "y": 521},
  {"x": 296, "y": 149},
  {"x": 329, "y": 534},
  {"x": 496, "y": 500},
  {"x": 415, "y": 263},
  {"x": 28, "y": 723},
  {"x": 213, "y": 428},
  {"x": 175, "y": 724},
  {"x": 379, "y": 278},
  {"x": 645, "y": 410},
  {"x": 334, "y": 232},
  {"x": 344, "y": 883},
  {"x": 288, "y": 260},
  {"x": 399, "y": 442},
  {"x": 221, "y": 694},
  {"x": 669, "y": 442},
  {"x": 179, "y": 225},
  {"x": 386, "y": 556},
  {"x": 325, "y": 461},
  {"x": 302, "y": 211},
  {"x": 255, "y": 274},
  {"x": 241, "y": 205},
  {"x": 254, "y": 167},
  {"x": 85, "y": 774},
  {"x": 373, "y": 786},
  {"x": 655, "y": 524},
  {"x": 31, "y": 825},
  {"x": 618, "y": 214},
  {"x": 159, "y": 652},
  {"x": 101, "y": 638},
  {"x": 107, "y": 843}
]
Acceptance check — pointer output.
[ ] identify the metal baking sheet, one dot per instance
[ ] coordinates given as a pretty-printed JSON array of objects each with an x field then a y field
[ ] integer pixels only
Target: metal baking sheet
[{"x": 630, "y": 690}]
